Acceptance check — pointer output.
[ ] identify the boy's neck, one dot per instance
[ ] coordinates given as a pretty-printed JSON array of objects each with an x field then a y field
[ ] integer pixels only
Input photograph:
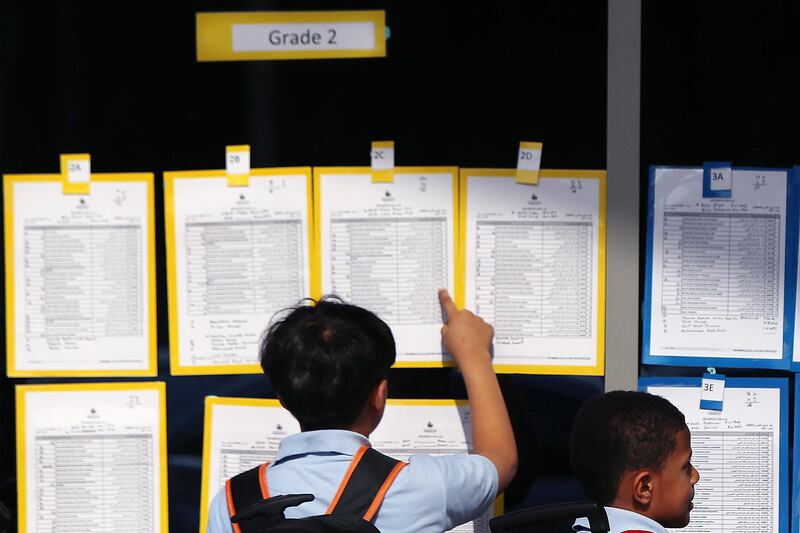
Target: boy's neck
[
  {"x": 363, "y": 427},
  {"x": 632, "y": 506},
  {"x": 371, "y": 413},
  {"x": 621, "y": 503}
]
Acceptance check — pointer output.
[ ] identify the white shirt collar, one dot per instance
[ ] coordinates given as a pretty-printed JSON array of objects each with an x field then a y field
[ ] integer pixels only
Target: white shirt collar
[
  {"x": 623, "y": 520},
  {"x": 331, "y": 441}
]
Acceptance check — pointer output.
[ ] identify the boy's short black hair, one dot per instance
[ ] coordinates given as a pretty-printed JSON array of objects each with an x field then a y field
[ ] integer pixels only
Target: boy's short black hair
[
  {"x": 618, "y": 432},
  {"x": 324, "y": 358}
]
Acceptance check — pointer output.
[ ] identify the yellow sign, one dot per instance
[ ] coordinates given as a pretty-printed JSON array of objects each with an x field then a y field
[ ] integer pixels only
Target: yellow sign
[
  {"x": 263, "y": 35},
  {"x": 382, "y": 156},
  {"x": 76, "y": 173},
  {"x": 528, "y": 162},
  {"x": 237, "y": 165}
]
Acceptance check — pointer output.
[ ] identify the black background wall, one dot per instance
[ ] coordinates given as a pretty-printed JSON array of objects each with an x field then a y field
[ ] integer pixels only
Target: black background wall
[
  {"x": 462, "y": 84},
  {"x": 719, "y": 82}
]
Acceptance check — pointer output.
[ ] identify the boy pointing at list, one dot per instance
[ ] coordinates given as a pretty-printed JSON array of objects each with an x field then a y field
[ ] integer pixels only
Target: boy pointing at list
[{"x": 329, "y": 365}]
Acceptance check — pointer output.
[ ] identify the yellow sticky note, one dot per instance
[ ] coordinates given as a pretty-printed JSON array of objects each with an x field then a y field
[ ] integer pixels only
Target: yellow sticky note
[
  {"x": 528, "y": 162},
  {"x": 237, "y": 165},
  {"x": 76, "y": 171},
  {"x": 382, "y": 158}
]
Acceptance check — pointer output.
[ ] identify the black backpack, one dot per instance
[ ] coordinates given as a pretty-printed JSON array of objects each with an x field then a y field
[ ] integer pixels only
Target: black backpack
[{"x": 357, "y": 500}]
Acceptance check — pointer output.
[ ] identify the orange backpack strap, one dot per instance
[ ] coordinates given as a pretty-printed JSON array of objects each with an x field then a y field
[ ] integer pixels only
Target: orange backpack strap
[
  {"x": 245, "y": 489},
  {"x": 365, "y": 484},
  {"x": 378, "y": 500}
]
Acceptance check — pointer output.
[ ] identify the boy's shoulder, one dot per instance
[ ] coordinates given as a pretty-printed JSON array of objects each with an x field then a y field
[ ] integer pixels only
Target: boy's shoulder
[
  {"x": 458, "y": 485},
  {"x": 466, "y": 471},
  {"x": 459, "y": 488}
]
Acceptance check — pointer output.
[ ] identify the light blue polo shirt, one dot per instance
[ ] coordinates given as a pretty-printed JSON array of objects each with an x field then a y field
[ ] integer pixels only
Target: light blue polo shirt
[{"x": 431, "y": 494}]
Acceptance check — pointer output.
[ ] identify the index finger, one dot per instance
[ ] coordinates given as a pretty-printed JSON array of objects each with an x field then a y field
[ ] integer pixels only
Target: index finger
[{"x": 448, "y": 305}]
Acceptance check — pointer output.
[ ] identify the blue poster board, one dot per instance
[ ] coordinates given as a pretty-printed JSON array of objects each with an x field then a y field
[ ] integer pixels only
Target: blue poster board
[
  {"x": 792, "y": 248},
  {"x": 735, "y": 449},
  {"x": 796, "y": 462},
  {"x": 718, "y": 301}
]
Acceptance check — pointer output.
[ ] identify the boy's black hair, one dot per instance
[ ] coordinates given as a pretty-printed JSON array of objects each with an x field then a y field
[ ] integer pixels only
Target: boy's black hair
[
  {"x": 618, "y": 432},
  {"x": 323, "y": 360}
]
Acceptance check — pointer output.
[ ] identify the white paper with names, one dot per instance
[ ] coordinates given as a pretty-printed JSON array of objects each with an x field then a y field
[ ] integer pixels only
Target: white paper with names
[
  {"x": 388, "y": 247},
  {"x": 532, "y": 267},
  {"x": 81, "y": 277},
  {"x": 243, "y": 437},
  {"x": 242, "y": 254},
  {"x": 93, "y": 461},
  {"x": 718, "y": 266},
  {"x": 737, "y": 453}
]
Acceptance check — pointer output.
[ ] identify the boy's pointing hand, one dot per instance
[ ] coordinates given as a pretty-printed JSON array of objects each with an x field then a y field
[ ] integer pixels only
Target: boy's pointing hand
[{"x": 463, "y": 333}]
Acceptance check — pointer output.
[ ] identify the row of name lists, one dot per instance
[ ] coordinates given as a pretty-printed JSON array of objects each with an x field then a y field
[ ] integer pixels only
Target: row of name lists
[{"x": 529, "y": 259}]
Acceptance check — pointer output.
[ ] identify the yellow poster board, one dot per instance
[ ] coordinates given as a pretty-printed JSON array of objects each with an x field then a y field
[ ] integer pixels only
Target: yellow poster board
[
  {"x": 80, "y": 275},
  {"x": 251, "y": 428},
  {"x": 96, "y": 448},
  {"x": 389, "y": 247},
  {"x": 236, "y": 255},
  {"x": 532, "y": 263}
]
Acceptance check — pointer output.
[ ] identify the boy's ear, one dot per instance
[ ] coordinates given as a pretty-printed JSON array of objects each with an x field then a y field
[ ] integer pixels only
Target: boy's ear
[
  {"x": 378, "y": 396},
  {"x": 643, "y": 488}
]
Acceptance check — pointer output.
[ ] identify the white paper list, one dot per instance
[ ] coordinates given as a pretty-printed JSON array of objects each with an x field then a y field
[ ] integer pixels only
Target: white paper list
[
  {"x": 93, "y": 461},
  {"x": 241, "y": 255},
  {"x": 81, "y": 277},
  {"x": 243, "y": 437},
  {"x": 718, "y": 266},
  {"x": 532, "y": 267},
  {"x": 389, "y": 247},
  {"x": 737, "y": 453}
]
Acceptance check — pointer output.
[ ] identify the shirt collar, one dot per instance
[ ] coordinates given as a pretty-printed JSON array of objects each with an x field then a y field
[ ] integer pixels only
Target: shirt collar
[
  {"x": 330, "y": 441},
  {"x": 623, "y": 520}
]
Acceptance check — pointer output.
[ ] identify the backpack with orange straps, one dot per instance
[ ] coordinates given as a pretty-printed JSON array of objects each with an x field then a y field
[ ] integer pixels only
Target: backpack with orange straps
[{"x": 357, "y": 500}]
